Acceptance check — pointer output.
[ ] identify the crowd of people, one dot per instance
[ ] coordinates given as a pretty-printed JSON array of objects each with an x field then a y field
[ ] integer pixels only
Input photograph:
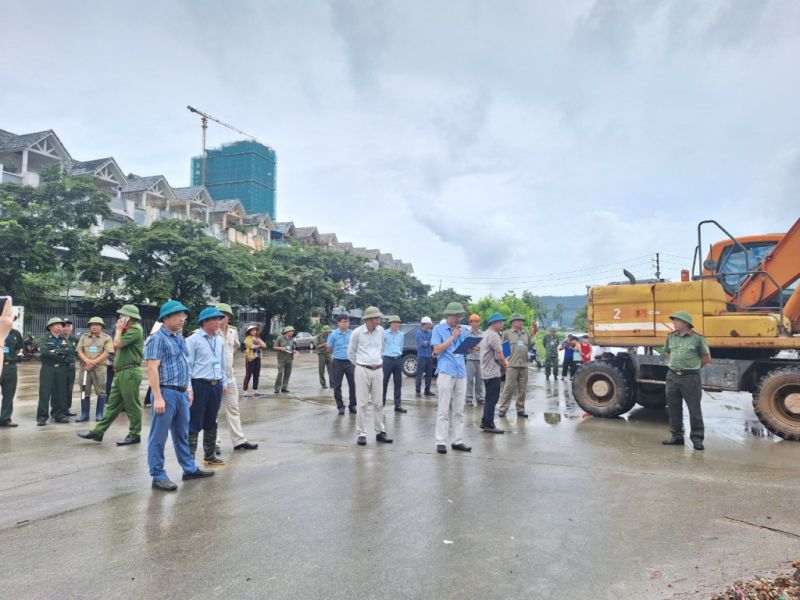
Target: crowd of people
[{"x": 192, "y": 378}]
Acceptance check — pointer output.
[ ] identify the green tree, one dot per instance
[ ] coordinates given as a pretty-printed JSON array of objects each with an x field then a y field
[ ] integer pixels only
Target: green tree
[
  {"x": 393, "y": 292},
  {"x": 44, "y": 231},
  {"x": 558, "y": 314},
  {"x": 581, "y": 322},
  {"x": 433, "y": 305}
]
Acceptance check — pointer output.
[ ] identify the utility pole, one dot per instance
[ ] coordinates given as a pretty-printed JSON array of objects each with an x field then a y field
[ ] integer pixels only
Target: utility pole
[
  {"x": 658, "y": 266},
  {"x": 204, "y": 117}
]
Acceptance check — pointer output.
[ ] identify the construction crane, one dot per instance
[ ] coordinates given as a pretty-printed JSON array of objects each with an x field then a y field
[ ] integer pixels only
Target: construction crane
[{"x": 204, "y": 118}]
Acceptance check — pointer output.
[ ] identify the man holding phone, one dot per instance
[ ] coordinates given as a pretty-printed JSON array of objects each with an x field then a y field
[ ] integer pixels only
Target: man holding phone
[
  {"x": 9, "y": 348},
  {"x": 129, "y": 350}
]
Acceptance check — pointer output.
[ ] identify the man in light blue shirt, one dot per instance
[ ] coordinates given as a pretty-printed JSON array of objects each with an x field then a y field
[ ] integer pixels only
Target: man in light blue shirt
[
  {"x": 452, "y": 380},
  {"x": 206, "y": 356},
  {"x": 393, "y": 340},
  {"x": 336, "y": 344}
]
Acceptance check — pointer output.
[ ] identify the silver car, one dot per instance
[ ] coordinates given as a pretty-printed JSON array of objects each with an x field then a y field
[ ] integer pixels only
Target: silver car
[{"x": 304, "y": 340}]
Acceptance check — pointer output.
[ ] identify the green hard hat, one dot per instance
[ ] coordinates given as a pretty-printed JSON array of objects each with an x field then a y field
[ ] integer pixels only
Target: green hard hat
[
  {"x": 129, "y": 310},
  {"x": 326, "y": 329},
  {"x": 393, "y": 319},
  {"x": 683, "y": 316},
  {"x": 371, "y": 312},
  {"x": 455, "y": 308},
  {"x": 55, "y": 321},
  {"x": 225, "y": 308},
  {"x": 97, "y": 321},
  {"x": 516, "y": 317},
  {"x": 288, "y": 328}
]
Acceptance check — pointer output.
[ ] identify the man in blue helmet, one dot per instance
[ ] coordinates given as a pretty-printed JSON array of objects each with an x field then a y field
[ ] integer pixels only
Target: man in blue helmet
[{"x": 206, "y": 353}]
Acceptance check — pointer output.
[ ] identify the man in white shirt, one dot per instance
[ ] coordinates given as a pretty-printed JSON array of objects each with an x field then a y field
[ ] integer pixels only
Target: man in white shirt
[
  {"x": 230, "y": 399},
  {"x": 365, "y": 351}
]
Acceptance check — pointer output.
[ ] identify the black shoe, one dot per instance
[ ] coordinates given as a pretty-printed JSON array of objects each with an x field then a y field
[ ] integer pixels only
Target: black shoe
[
  {"x": 62, "y": 420},
  {"x": 198, "y": 474},
  {"x": 417, "y": 395},
  {"x": 285, "y": 391},
  {"x": 430, "y": 394},
  {"x": 501, "y": 414},
  {"x": 71, "y": 413},
  {"x": 41, "y": 423},
  {"x": 522, "y": 414},
  {"x": 383, "y": 438},
  {"x": 87, "y": 435},
  {"x": 324, "y": 387},
  {"x": 462, "y": 446},
  {"x": 492, "y": 430},
  {"x": 341, "y": 411},
  {"x": 165, "y": 485},
  {"x": 213, "y": 460},
  {"x": 673, "y": 441},
  {"x": 129, "y": 440},
  {"x": 362, "y": 440},
  {"x": 698, "y": 445},
  {"x": 441, "y": 449},
  {"x": 9, "y": 423},
  {"x": 352, "y": 410},
  {"x": 480, "y": 402},
  {"x": 400, "y": 409},
  {"x": 217, "y": 449},
  {"x": 277, "y": 391},
  {"x": 246, "y": 446}
]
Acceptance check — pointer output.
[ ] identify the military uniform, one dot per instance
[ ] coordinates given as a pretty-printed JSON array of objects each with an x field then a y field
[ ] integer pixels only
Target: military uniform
[
  {"x": 551, "y": 343},
  {"x": 324, "y": 357},
  {"x": 8, "y": 376},
  {"x": 127, "y": 378},
  {"x": 71, "y": 343},
  {"x": 52, "y": 378},
  {"x": 683, "y": 381},
  {"x": 517, "y": 371},
  {"x": 92, "y": 346},
  {"x": 285, "y": 361}
]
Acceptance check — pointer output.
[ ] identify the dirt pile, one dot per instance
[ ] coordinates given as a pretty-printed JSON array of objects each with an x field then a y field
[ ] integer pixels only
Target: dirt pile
[{"x": 783, "y": 587}]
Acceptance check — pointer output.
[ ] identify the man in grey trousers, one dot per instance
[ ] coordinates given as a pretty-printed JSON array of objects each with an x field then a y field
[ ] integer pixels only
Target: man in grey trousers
[{"x": 474, "y": 379}]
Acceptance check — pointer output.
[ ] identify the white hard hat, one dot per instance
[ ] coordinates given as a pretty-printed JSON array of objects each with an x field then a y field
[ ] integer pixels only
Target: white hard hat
[{"x": 426, "y": 320}]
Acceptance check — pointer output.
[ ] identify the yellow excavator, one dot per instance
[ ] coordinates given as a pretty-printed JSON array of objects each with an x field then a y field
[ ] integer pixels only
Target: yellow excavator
[{"x": 744, "y": 297}]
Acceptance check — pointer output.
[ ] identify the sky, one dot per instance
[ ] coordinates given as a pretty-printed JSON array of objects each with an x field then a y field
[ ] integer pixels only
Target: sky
[{"x": 495, "y": 145}]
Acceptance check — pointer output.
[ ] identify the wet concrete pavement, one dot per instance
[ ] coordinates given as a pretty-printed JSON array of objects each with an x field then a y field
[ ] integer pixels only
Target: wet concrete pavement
[{"x": 561, "y": 506}]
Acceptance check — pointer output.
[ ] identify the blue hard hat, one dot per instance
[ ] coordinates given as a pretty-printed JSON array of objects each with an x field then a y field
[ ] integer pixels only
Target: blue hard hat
[
  {"x": 495, "y": 317},
  {"x": 170, "y": 308},
  {"x": 209, "y": 312}
]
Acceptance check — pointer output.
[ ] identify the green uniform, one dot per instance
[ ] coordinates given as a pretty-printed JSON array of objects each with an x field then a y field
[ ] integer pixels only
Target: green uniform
[
  {"x": 551, "y": 344},
  {"x": 324, "y": 357},
  {"x": 517, "y": 371},
  {"x": 72, "y": 342},
  {"x": 8, "y": 376},
  {"x": 683, "y": 382},
  {"x": 285, "y": 360},
  {"x": 52, "y": 378},
  {"x": 125, "y": 386}
]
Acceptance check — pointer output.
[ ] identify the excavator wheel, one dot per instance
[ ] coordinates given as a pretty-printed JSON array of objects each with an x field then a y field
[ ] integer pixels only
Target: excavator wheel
[
  {"x": 601, "y": 389},
  {"x": 777, "y": 402},
  {"x": 652, "y": 395}
]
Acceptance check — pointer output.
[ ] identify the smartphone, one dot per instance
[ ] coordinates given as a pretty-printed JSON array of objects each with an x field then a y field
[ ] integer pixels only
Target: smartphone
[
  {"x": 3, "y": 300},
  {"x": 124, "y": 319}
]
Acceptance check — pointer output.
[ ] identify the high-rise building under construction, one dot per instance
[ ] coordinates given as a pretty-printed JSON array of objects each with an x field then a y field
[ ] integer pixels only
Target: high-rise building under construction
[{"x": 242, "y": 170}]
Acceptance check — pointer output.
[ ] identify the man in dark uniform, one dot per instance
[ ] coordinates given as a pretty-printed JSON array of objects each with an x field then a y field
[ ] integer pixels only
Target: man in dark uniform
[
  {"x": 8, "y": 375},
  {"x": 72, "y": 342},
  {"x": 688, "y": 353},
  {"x": 53, "y": 375},
  {"x": 324, "y": 358}
]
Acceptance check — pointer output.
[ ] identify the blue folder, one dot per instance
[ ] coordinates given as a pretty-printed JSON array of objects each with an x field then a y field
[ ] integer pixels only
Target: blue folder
[
  {"x": 467, "y": 344},
  {"x": 506, "y": 349}
]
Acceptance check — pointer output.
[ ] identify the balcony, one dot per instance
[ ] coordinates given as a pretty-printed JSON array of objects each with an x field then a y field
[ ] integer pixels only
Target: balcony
[{"x": 6, "y": 177}]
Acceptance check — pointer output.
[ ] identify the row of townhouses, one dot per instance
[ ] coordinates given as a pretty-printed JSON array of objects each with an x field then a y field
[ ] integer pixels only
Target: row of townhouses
[{"x": 145, "y": 199}]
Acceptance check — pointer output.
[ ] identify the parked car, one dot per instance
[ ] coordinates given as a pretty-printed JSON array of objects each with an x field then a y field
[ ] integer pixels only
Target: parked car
[
  {"x": 410, "y": 349},
  {"x": 304, "y": 340}
]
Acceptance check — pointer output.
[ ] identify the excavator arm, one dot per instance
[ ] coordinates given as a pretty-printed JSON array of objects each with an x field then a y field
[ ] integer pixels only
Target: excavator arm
[{"x": 783, "y": 264}]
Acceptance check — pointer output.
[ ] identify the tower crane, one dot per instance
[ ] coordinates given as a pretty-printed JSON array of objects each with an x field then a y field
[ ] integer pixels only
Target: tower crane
[{"x": 204, "y": 118}]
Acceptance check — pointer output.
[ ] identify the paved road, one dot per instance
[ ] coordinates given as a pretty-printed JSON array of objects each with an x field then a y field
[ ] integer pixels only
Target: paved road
[{"x": 562, "y": 506}]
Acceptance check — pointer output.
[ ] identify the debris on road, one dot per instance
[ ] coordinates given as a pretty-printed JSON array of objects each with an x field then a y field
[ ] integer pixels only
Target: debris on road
[{"x": 783, "y": 587}]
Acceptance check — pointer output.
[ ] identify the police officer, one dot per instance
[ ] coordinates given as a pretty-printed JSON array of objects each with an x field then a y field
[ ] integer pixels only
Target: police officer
[
  {"x": 129, "y": 346},
  {"x": 688, "y": 353},
  {"x": 72, "y": 342},
  {"x": 551, "y": 343},
  {"x": 285, "y": 347},
  {"x": 93, "y": 349},
  {"x": 324, "y": 358},
  {"x": 53, "y": 375},
  {"x": 8, "y": 375}
]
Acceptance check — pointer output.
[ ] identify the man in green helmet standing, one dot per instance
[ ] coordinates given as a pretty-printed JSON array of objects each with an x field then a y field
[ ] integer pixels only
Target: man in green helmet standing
[
  {"x": 324, "y": 357},
  {"x": 688, "y": 353},
  {"x": 286, "y": 348},
  {"x": 53, "y": 375},
  {"x": 93, "y": 349},
  {"x": 129, "y": 351}
]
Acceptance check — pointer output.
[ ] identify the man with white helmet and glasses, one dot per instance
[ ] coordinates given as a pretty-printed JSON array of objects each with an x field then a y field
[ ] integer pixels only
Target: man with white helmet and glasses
[{"x": 424, "y": 357}]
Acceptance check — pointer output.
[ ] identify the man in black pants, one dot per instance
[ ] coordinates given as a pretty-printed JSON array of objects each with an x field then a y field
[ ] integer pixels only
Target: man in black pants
[
  {"x": 393, "y": 340},
  {"x": 492, "y": 359},
  {"x": 336, "y": 344}
]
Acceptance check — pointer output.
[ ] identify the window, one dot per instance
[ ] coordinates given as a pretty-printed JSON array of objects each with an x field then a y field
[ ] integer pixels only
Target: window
[{"x": 734, "y": 263}]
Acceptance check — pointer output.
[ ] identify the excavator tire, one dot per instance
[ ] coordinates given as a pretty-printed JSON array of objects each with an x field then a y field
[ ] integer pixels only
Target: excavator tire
[
  {"x": 602, "y": 389},
  {"x": 777, "y": 402},
  {"x": 652, "y": 395}
]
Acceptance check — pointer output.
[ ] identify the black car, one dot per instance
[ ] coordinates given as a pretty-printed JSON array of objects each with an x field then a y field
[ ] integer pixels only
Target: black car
[{"x": 410, "y": 349}]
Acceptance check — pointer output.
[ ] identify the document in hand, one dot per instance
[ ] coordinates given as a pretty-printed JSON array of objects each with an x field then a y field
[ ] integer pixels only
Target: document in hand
[
  {"x": 468, "y": 343},
  {"x": 506, "y": 349}
]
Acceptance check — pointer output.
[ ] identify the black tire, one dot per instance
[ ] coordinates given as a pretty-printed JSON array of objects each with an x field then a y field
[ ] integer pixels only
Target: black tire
[
  {"x": 777, "y": 402},
  {"x": 601, "y": 389},
  {"x": 410, "y": 365},
  {"x": 652, "y": 395}
]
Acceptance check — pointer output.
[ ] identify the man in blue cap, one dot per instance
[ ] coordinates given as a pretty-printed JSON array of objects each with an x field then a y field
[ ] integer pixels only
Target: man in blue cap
[
  {"x": 206, "y": 354},
  {"x": 168, "y": 372},
  {"x": 492, "y": 358}
]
